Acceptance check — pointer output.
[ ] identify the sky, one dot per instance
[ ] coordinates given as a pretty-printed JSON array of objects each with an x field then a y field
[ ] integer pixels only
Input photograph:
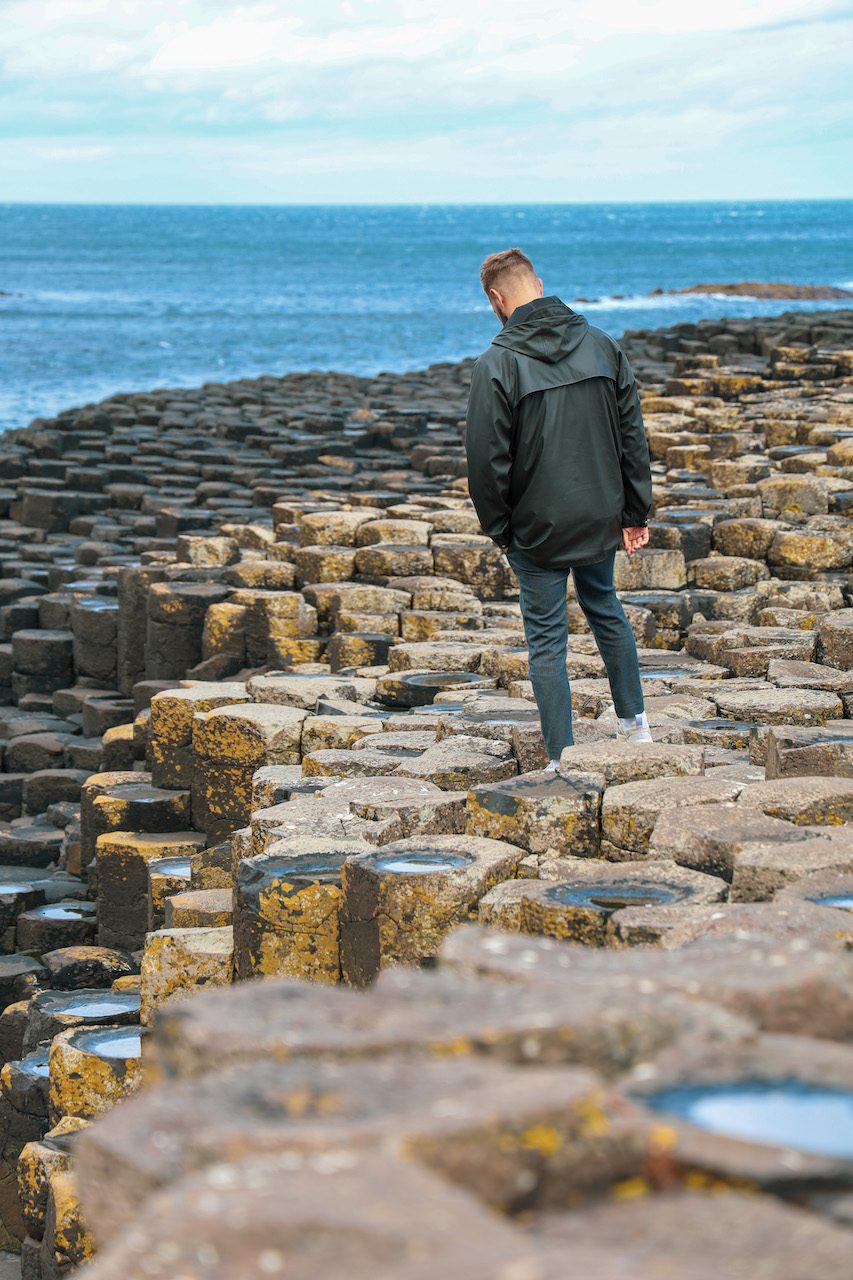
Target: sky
[{"x": 202, "y": 101}]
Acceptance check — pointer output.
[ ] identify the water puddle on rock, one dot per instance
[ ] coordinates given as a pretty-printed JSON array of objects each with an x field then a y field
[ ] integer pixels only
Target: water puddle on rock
[
  {"x": 116, "y": 1042},
  {"x": 170, "y": 866},
  {"x": 37, "y": 1063},
  {"x": 665, "y": 673},
  {"x": 96, "y": 1006},
  {"x": 421, "y": 863},
  {"x": 447, "y": 678},
  {"x": 64, "y": 911},
  {"x": 787, "y": 1113},
  {"x": 843, "y": 900},
  {"x": 614, "y": 897}
]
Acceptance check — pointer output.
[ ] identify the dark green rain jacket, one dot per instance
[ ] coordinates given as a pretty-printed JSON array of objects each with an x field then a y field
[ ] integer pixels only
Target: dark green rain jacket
[{"x": 557, "y": 449}]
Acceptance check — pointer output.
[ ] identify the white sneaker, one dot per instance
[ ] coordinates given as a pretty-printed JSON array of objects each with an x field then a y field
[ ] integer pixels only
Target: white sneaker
[
  {"x": 551, "y": 766},
  {"x": 634, "y": 729}
]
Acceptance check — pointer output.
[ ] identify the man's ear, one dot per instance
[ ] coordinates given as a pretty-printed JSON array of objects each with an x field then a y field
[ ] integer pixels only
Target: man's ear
[{"x": 539, "y": 282}]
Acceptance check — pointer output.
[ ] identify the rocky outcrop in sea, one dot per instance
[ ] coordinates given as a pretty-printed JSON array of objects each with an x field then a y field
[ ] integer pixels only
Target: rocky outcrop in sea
[{"x": 267, "y": 730}]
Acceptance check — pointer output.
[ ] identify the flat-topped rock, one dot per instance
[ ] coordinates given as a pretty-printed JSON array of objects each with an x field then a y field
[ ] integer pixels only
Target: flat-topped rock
[
  {"x": 579, "y": 907},
  {"x": 400, "y": 901},
  {"x": 629, "y": 811},
  {"x": 620, "y": 762},
  {"x": 710, "y": 837}
]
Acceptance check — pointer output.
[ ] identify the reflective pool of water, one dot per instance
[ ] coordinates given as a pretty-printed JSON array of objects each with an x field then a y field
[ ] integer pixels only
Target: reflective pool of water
[
  {"x": 114, "y": 1042},
  {"x": 96, "y": 1005},
  {"x": 614, "y": 897},
  {"x": 65, "y": 911},
  {"x": 421, "y": 863},
  {"x": 843, "y": 900},
  {"x": 785, "y": 1113},
  {"x": 170, "y": 866}
]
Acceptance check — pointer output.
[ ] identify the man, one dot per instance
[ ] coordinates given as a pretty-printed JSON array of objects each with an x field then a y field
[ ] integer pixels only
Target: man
[{"x": 558, "y": 471}]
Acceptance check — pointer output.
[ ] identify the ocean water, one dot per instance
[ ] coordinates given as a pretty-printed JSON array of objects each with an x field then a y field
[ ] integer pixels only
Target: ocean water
[{"x": 106, "y": 298}]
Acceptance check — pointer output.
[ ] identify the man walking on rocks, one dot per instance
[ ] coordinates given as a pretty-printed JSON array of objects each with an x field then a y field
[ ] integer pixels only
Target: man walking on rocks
[{"x": 559, "y": 474}]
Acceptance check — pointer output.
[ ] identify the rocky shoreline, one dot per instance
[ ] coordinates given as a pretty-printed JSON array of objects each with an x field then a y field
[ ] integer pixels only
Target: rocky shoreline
[
  {"x": 766, "y": 289},
  {"x": 266, "y": 727}
]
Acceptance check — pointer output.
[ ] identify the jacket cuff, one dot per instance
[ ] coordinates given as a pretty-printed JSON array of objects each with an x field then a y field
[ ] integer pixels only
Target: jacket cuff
[{"x": 630, "y": 520}]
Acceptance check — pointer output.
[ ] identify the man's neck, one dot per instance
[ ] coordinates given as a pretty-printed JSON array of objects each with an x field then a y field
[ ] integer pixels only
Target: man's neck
[{"x": 522, "y": 302}]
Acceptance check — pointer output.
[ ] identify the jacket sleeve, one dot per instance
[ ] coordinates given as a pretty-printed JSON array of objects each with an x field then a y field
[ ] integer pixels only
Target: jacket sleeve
[
  {"x": 634, "y": 458},
  {"x": 488, "y": 443}
]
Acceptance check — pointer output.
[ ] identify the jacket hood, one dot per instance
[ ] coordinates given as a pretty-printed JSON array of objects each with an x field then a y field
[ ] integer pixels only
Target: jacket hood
[{"x": 544, "y": 328}]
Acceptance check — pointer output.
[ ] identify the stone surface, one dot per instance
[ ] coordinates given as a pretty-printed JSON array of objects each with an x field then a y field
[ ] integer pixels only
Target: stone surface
[
  {"x": 400, "y": 901},
  {"x": 630, "y": 811},
  {"x": 254, "y": 623}
]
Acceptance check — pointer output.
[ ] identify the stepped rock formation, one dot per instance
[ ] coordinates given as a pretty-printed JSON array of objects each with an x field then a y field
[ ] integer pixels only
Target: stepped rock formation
[{"x": 266, "y": 728}]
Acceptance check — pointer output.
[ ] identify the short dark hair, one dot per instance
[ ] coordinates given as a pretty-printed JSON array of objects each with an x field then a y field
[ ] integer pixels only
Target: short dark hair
[{"x": 500, "y": 264}]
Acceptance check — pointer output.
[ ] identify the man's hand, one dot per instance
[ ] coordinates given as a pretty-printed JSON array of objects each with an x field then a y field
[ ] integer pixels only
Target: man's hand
[{"x": 635, "y": 537}]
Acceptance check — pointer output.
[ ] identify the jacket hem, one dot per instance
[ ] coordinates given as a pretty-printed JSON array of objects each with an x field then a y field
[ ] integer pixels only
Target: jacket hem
[{"x": 574, "y": 564}]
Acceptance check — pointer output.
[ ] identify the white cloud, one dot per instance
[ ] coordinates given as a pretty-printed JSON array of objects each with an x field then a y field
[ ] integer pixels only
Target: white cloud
[
  {"x": 451, "y": 88},
  {"x": 74, "y": 152}
]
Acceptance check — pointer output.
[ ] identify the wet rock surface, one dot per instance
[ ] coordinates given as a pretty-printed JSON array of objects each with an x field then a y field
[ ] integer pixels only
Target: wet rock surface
[{"x": 266, "y": 727}]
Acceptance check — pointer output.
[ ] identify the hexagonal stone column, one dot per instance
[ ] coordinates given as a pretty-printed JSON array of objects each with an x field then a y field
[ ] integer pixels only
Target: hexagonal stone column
[
  {"x": 127, "y": 801},
  {"x": 710, "y": 837},
  {"x": 123, "y": 858},
  {"x": 553, "y": 815},
  {"x": 94, "y": 624},
  {"x": 200, "y": 909},
  {"x": 334, "y": 528},
  {"x": 224, "y": 632},
  {"x": 166, "y": 877},
  {"x": 170, "y": 727},
  {"x": 133, "y": 584},
  {"x": 40, "y": 1160},
  {"x": 175, "y": 625},
  {"x": 357, "y": 649},
  {"x": 579, "y": 908},
  {"x": 42, "y": 660},
  {"x": 279, "y": 625},
  {"x": 382, "y": 560},
  {"x": 286, "y": 912},
  {"x": 479, "y": 565},
  {"x": 91, "y": 1068},
  {"x": 419, "y": 805},
  {"x": 769, "y": 705},
  {"x": 305, "y": 689},
  {"x": 629, "y": 812},
  {"x": 56, "y": 924},
  {"x": 835, "y": 639},
  {"x": 803, "y": 801},
  {"x": 622, "y": 762},
  {"x": 459, "y": 760},
  {"x": 229, "y": 744},
  {"x": 762, "y": 870},
  {"x": 176, "y": 961},
  {"x": 795, "y": 751},
  {"x": 400, "y": 901},
  {"x": 405, "y": 689}
]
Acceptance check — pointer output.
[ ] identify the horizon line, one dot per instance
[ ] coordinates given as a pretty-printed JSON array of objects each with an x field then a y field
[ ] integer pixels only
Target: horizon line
[{"x": 418, "y": 204}]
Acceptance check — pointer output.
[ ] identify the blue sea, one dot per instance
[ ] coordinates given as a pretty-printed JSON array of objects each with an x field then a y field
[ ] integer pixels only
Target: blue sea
[{"x": 106, "y": 298}]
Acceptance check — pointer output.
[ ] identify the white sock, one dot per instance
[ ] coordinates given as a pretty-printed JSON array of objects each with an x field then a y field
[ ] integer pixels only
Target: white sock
[{"x": 640, "y": 721}]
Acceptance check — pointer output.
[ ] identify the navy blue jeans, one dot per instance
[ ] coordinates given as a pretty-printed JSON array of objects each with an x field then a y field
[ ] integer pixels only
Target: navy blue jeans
[{"x": 543, "y": 608}]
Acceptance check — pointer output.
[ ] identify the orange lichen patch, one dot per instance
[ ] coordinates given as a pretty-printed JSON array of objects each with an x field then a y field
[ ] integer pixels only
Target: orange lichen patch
[{"x": 177, "y": 961}]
